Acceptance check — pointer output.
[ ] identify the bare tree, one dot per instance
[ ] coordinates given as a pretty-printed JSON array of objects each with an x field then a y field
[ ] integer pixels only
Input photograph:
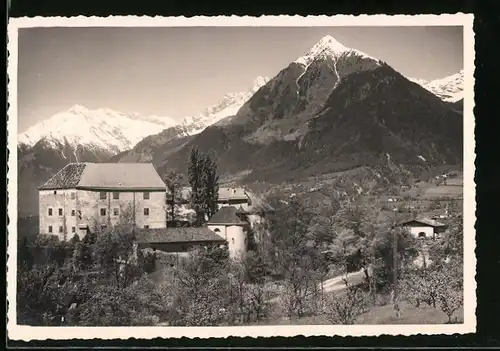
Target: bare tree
[{"x": 345, "y": 307}]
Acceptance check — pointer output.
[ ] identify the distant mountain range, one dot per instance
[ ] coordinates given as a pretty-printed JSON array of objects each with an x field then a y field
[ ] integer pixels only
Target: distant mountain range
[
  {"x": 333, "y": 109},
  {"x": 450, "y": 89},
  {"x": 105, "y": 130},
  {"x": 81, "y": 134}
]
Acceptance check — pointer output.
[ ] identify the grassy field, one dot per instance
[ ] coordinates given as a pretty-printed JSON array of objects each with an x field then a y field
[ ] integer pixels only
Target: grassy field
[
  {"x": 380, "y": 315},
  {"x": 409, "y": 315},
  {"x": 431, "y": 190}
]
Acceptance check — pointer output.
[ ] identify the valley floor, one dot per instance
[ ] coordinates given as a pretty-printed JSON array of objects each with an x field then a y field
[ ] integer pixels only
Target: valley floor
[{"x": 380, "y": 315}]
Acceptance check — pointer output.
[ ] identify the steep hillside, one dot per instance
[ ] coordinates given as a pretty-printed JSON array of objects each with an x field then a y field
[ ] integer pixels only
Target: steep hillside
[
  {"x": 155, "y": 148},
  {"x": 280, "y": 108},
  {"x": 381, "y": 114},
  {"x": 371, "y": 116}
]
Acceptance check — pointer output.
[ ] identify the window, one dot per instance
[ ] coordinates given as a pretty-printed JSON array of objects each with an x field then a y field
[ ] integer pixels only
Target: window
[
  {"x": 232, "y": 240},
  {"x": 421, "y": 235},
  {"x": 146, "y": 226},
  {"x": 146, "y": 211},
  {"x": 116, "y": 211},
  {"x": 50, "y": 212},
  {"x": 79, "y": 214},
  {"x": 55, "y": 192},
  {"x": 73, "y": 229},
  {"x": 146, "y": 195},
  {"x": 60, "y": 229},
  {"x": 102, "y": 195},
  {"x": 50, "y": 229},
  {"x": 217, "y": 230},
  {"x": 103, "y": 211},
  {"x": 116, "y": 195},
  {"x": 73, "y": 196},
  {"x": 60, "y": 212},
  {"x": 73, "y": 213}
]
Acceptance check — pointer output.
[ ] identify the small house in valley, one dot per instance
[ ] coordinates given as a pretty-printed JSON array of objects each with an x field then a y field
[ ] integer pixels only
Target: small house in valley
[
  {"x": 84, "y": 195},
  {"x": 234, "y": 197},
  {"x": 423, "y": 228},
  {"x": 227, "y": 196}
]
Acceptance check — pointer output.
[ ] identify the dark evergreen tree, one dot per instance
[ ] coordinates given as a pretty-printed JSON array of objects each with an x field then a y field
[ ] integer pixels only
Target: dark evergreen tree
[
  {"x": 174, "y": 182},
  {"x": 195, "y": 181},
  {"x": 204, "y": 181},
  {"x": 210, "y": 185},
  {"x": 25, "y": 258}
]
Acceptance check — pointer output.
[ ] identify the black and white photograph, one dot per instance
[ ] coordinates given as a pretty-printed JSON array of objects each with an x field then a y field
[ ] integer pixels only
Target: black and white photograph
[{"x": 272, "y": 176}]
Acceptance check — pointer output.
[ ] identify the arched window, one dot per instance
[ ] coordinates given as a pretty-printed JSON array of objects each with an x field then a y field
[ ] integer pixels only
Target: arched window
[
  {"x": 421, "y": 235},
  {"x": 217, "y": 230},
  {"x": 232, "y": 239}
]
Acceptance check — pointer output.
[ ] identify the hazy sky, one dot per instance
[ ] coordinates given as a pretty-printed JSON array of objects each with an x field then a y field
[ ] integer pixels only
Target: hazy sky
[{"x": 179, "y": 71}]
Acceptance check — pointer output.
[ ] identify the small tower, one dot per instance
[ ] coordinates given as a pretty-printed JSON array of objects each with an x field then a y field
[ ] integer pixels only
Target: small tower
[{"x": 229, "y": 224}]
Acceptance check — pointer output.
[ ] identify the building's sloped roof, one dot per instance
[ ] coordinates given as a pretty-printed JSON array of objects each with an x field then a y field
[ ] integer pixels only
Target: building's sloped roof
[
  {"x": 177, "y": 235},
  {"x": 107, "y": 176},
  {"x": 226, "y": 215},
  {"x": 121, "y": 175},
  {"x": 66, "y": 178},
  {"x": 226, "y": 194},
  {"x": 426, "y": 221}
]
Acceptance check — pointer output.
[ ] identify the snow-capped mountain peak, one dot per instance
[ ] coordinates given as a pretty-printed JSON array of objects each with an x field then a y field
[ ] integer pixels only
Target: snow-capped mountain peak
[
  {"x": 100, "y": 128},
  {"x": 227, "y": 106},
  {"x": 329, "y": 47},
  {"x": 450, "y": 88},
  {"x": 78, "y": 109},
  {"x": 114, "y": 131}
]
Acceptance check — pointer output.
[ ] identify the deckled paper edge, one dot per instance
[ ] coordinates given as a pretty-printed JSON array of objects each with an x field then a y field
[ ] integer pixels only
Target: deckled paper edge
[{"x": 27, "y": 333}]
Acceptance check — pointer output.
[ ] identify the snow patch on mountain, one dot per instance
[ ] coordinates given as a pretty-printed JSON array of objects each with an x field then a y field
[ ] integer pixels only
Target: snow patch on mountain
[
  {"x": 101, "y": 128},
  {"x": 227, "y": 106},
  {"x": 449, "y": 89}
]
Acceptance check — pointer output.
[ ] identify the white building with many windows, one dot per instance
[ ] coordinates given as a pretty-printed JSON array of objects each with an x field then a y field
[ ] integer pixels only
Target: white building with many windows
[{"x": 83, "y": 196}]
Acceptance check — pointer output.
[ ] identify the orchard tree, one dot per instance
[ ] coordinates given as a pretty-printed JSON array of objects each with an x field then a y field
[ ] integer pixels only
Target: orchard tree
[
  {"x": 201, "y": 296},
  {"x": 118, "y": 254},
  {"x": 139, "y": 304},
  {"x": 383, "y": 258},
  {"x": 345, "y": 307},
  {"x": 293, "y": 252},
  {"x": 450, "y": 245}
]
